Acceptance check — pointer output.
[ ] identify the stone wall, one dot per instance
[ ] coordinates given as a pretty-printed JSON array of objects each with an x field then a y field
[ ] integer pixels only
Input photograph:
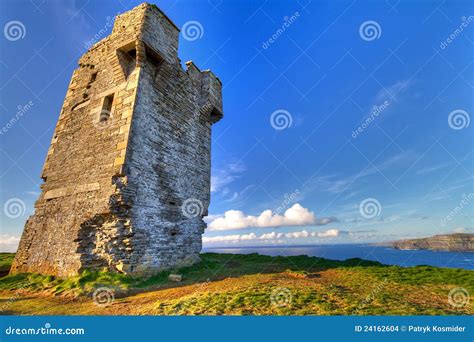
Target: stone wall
[{"x": 116, "y": 177}]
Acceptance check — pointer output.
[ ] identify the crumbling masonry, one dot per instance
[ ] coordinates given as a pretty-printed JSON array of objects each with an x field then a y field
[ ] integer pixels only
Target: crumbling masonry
[{"x": 127, "y": 175}]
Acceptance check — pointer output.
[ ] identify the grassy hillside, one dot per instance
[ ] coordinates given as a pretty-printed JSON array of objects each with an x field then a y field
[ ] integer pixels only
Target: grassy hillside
[
  {"x": 245, "y": 285},
  {"x": 6, "y": 260}
]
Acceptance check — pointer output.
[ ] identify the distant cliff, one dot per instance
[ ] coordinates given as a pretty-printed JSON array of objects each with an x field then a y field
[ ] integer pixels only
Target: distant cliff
[{"x": 450, "y": 242}]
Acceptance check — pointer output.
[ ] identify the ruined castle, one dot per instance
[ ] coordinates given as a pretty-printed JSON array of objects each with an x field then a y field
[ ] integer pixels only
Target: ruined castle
[{"x": 127, "y": 175}]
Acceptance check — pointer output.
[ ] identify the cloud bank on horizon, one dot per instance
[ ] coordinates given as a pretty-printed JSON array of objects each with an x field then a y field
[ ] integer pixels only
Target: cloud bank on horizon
[
  {"x": 283, "y": 238},
  {"x": 296, "y": 215}
]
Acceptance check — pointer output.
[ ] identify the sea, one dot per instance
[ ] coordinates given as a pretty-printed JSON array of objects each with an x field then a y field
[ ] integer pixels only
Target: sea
[{"x": 384, "y": 254}]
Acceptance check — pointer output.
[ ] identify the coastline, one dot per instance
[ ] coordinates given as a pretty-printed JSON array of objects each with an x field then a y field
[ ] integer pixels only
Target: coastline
[{"x": 385, "y": 254}]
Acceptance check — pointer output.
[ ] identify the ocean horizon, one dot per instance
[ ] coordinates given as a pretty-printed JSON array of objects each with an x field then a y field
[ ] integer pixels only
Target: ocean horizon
[{"x": 383, "y": 254}]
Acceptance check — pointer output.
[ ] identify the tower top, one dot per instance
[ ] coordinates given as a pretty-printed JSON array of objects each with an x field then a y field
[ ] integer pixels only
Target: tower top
[
  {"x": 154, "y": 7},
  {"x": 147, "y": 23}
]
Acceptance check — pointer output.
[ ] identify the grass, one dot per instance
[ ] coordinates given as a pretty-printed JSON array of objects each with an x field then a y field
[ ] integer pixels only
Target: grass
[
  {"x": 212, "y": 267},
  {"x": 6, "y": 260},
  {"x": 83, "y": 284},
  {"x": 249, "y": 284}
]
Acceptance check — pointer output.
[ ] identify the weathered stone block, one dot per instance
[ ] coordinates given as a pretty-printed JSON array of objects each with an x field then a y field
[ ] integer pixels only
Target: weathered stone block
[{"x": 175, "y": 277}]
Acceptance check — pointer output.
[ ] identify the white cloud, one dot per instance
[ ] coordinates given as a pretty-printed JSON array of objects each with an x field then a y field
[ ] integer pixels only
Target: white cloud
[
  {"x": 325, "y": 234},
  {"x": 236, "y": 219},
  {"x": 325, "y": 220},
  {"x": 222, "y": 177},
  {"x": 238, "y": 195},
  {"x": 297, "y": 235},
  {"x": 275, "y": 237},
  {"x": 393, "y": 91},
  {"x": 330, "y": 233},
  {"x": 285, "y": 238},
  {"x": 229, "y": 238},
  {"x": 270, "y": 236},
  {"x": 8, "y": 243}
]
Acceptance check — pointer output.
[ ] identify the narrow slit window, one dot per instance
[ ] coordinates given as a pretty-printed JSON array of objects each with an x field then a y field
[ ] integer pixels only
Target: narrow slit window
[
  {"x": 106, "y": 111},
  {"x": 93, "y": 77}
]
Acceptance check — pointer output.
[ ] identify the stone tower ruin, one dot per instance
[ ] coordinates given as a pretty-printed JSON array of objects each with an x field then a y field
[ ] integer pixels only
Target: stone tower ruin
[{"x": 127, "y": 175}]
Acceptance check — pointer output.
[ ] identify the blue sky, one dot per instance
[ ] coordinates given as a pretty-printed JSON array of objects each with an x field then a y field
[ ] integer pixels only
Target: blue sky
[{"x": 342, "y": 171}]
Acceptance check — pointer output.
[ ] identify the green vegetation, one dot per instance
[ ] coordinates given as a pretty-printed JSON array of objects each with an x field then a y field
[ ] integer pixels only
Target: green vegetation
[
  {"x": 249, "y": 284},
  {"x": 82, "y": 284},
  {"x": 6, "y": 260},
  {"x": 213, "y": 267},
  {"x": 420, "y": 275}
]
